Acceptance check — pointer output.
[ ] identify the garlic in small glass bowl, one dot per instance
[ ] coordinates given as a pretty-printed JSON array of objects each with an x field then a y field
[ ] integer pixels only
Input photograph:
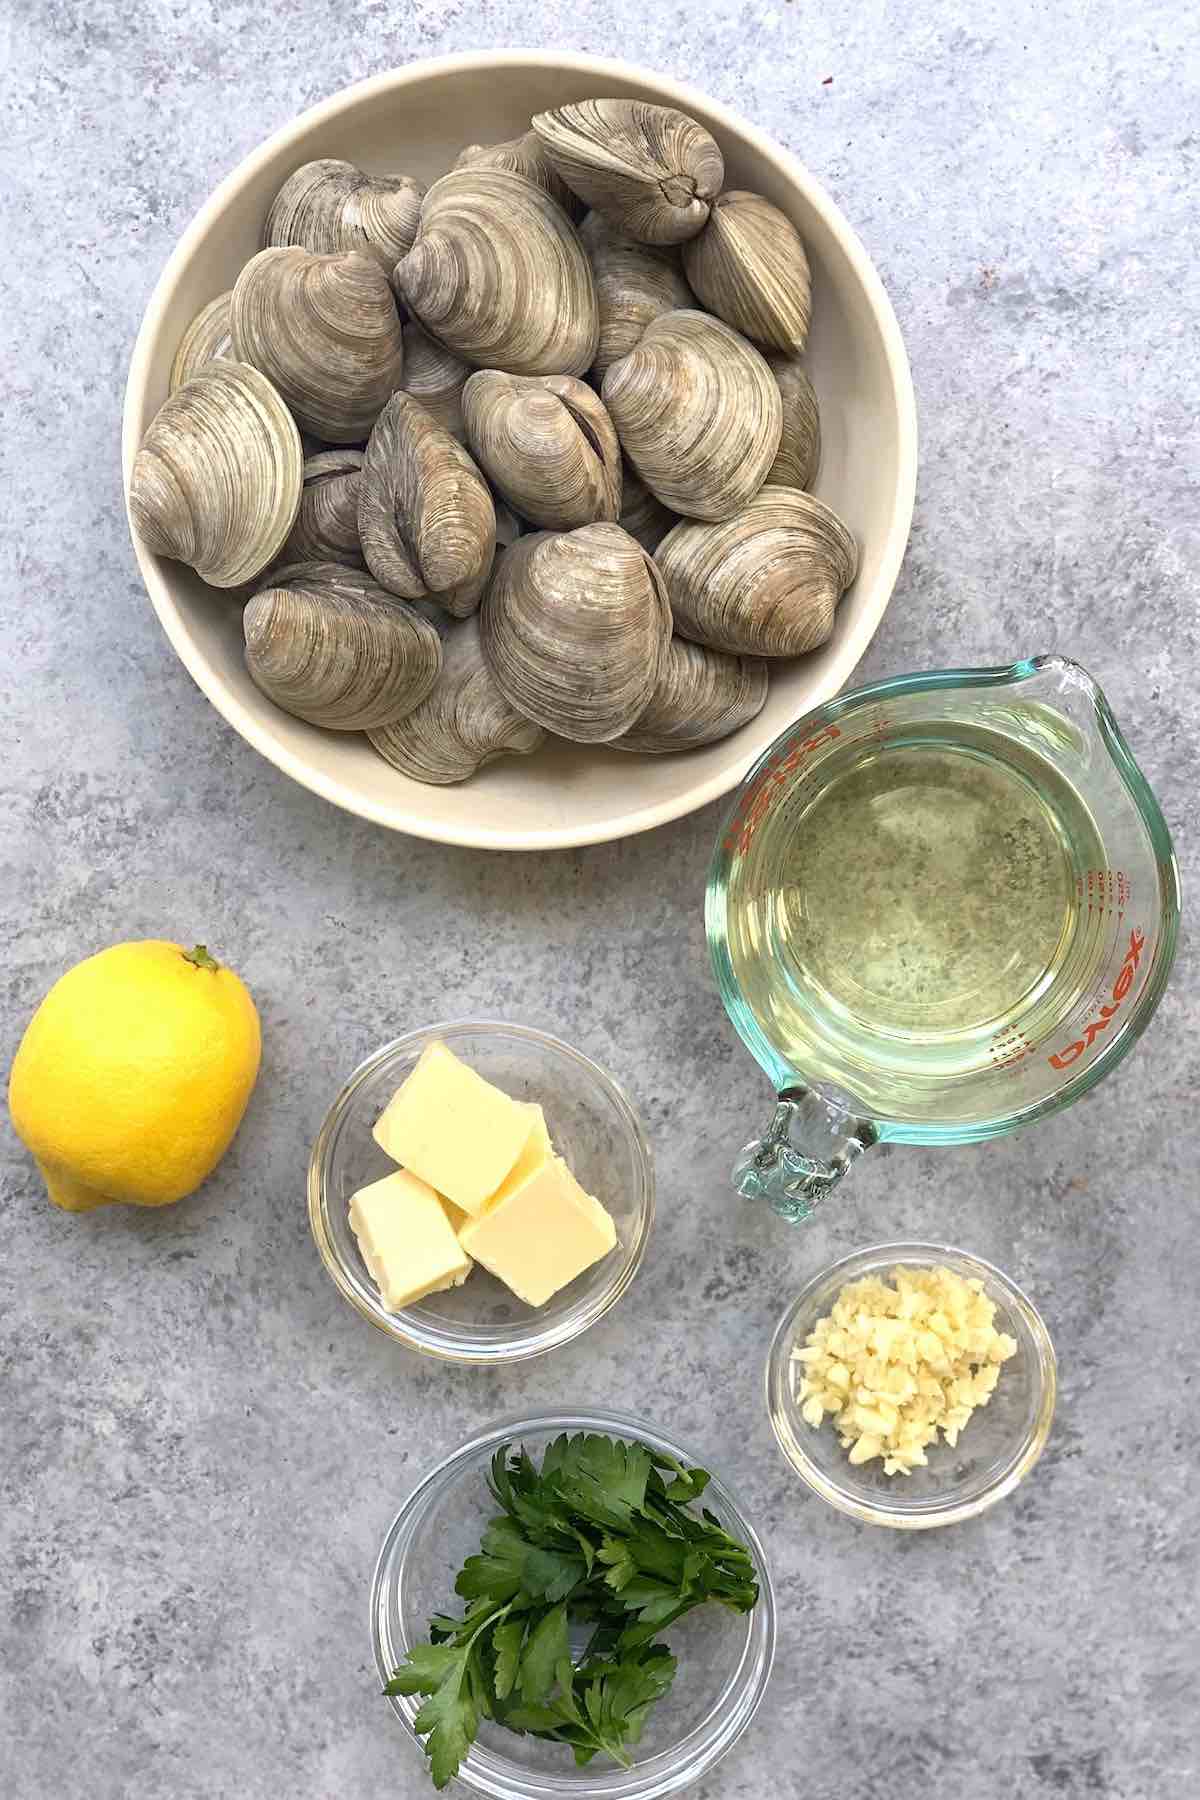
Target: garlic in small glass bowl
[{"x": 996, "y": 1448}]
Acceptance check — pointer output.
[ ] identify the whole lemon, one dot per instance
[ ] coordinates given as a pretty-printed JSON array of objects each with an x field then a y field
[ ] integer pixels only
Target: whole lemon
[{"x": 134, "y": 1074}]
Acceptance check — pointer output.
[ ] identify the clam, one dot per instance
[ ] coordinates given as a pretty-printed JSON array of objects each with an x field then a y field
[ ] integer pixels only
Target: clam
[
  {"x": 425, "y": 515},
  {"x": 498, "y": 275},
  {"x": 546, "y": 444},
  {"x": 434, "y": 376},
  {"x": 525, "y": 155},
  {"x": 702, "y": 695},
  {"x": 642, "y": 516},
  {"x": 800, "y": 443},
  {"x": 205, "y": 340},
  {"x": 329, "y": 645},
  {"x": 764, "y": 583},
  {"x": 326, "y": 528},
  {"x": 216, "y": 482},
  {"x": 329, "y": 205},
  {"x": 575, "y": 626},
  {"x": 698, "y": 413},
  {"x": 748, "y": 266},
  {"x": 326, "y": 331},
  {"x": 651, "y": 169},
  {"x": 464, "y": 722},
  {"x": 635, "y": 283}
]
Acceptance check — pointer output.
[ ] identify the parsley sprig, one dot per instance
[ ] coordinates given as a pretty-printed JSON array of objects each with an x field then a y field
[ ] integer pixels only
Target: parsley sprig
[{"x": 602, "y": 1534}]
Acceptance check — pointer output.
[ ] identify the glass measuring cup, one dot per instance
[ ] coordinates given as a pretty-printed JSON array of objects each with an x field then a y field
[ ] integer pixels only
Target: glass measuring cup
[{"x": 940, "y": 907}]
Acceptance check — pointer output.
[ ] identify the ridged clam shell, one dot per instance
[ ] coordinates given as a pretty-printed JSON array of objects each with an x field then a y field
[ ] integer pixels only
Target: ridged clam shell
[
  {"x": 749, "y": 267},
  {"x": 436, "y": 377},
  {"x": 546, "y": 444},
  {"x": 524, "y": 155},
  {"x": 702, "y": 695},
  {"x": 216, "y": 482},
  {"x": 764, "y": 583},
  {"x": 635, "y": 283},
  {"x": 653, "y": 170},
  {"x": 330, "y": 646},
  {"x": 698, "y": 413},
  {"x": 498, "y": 274},
  {"x": 205, "y": 340},
  {"x": 328, "y": 205},
  {"x": 425, "y": 515},
  {"x": 799, "y": 455},
  {"x": 574, "y": 627},
  {"x": 326, "y": 331},
  {"x": 642, "y": 515},
  {"x": 464, "y": 722},
  {"x": 326, "y": 528}
]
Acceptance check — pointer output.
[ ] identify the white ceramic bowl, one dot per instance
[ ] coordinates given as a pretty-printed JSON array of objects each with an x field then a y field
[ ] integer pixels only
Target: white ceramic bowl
[{"x": 416, "y": 120}]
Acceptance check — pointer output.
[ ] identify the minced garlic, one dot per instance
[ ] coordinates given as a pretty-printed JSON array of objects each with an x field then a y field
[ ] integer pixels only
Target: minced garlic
[{"x": 896, "y": 1364}]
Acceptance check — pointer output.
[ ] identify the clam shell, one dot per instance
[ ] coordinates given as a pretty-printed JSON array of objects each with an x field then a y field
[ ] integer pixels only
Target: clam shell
[
  {"x": 642, "y": 516},
  {"x": 651, "y": 169},
  {"x": 498, "y": 275},
  {"x": 463, "y": 723},
  {"x": 764, "y": 583},
  {"x": 330, "y": 646},
  {"x": 546, "y": 444},
  {"x": 326, "y": 528},
  {"x": 327, "y": 206},
  {"x": 698, "y": 413},
  {"x": 326, "y": 331},
  {"x": 216, "y": 482},
  {"x": 436, "y": 377},
  {"x": 799, "y": 455},
  {"x": 635, "y": 283},
  {"x": 749, "y": 267},
  {"x": 205, "y": 340},
  {"x": 702, "y": 695},
  {"x": 425, "y": 516},
  {"x": 574, "y": 627},
  {"x": 524, "y": 155}
]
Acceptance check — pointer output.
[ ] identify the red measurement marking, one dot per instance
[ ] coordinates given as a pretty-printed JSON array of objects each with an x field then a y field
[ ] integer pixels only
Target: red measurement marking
[
  {"x": 759, "y": 798},
  {"x": 1010, "y": 1050},
  {"x": 1062, "y": 1059},
  {"x": 1103, "y": 890}
]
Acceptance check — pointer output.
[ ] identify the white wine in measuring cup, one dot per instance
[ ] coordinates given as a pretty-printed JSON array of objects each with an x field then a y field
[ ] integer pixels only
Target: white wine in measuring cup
[
  {"x": 915, "y": 909},
  {"x": 938, "y": 902}
]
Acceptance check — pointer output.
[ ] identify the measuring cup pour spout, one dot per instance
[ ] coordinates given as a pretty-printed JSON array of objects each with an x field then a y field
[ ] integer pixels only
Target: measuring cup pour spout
[
  {"x": 793, "y": 1180},
  {"x": 940, "y": 908}
]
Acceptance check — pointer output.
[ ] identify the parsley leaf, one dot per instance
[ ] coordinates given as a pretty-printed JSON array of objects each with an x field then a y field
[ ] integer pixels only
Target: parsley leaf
[
  {"x": 545, "y": 1650},
  {"x": 506, "y": 1643}
]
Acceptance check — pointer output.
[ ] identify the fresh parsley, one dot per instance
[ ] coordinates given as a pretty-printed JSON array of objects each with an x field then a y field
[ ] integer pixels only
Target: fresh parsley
[{"x": 600, "y": 1535}]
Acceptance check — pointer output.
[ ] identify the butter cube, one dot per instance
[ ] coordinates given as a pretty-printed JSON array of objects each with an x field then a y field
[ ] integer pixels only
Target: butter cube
[
  {"x": 537, "y": 1148},
  {"x": 541, "y": 1230},
  {"x": 407, "y": 1242},
  {"x": 454, "y": 1129}
]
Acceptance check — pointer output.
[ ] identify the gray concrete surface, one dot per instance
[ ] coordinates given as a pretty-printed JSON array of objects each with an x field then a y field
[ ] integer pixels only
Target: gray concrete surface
[{"x": 202, "y": 1445}]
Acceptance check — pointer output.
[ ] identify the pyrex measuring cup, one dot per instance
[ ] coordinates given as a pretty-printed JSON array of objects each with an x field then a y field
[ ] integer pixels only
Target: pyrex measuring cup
[{"x": 940, "y": 907}]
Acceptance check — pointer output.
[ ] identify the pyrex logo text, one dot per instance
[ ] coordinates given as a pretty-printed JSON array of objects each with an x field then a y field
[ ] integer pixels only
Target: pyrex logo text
[{"x": 1062, "y": 1059}]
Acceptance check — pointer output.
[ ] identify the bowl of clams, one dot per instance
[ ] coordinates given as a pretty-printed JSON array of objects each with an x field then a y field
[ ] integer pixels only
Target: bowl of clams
[{"x": 514, "y": 445}]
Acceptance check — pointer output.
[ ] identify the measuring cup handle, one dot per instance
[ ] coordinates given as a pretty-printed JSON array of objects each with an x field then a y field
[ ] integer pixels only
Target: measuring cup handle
[{"x": 793, "y": 1182}]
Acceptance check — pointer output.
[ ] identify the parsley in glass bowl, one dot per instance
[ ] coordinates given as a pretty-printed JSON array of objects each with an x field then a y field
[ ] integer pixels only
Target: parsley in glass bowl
[{"x": 723, "y": 1656}]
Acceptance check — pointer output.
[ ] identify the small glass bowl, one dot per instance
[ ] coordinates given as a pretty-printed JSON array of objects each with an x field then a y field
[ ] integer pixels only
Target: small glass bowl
[
  {"x": 724, "y": 1658},
  {"x": 593, "y": 1126},
  {"x": 997, "y": 1447}
]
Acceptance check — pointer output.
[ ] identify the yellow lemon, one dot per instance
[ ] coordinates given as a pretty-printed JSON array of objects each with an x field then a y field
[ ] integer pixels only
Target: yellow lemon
[{"x": 134, "y": 1074}]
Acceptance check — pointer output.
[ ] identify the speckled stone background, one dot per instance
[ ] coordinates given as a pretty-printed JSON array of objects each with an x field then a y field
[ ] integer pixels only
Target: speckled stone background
[{"x": 202, "y": 1445}]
